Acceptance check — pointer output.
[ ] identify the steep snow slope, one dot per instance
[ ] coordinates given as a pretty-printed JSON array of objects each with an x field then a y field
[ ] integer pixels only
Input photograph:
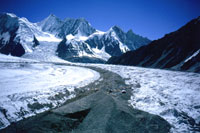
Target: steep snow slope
[
  {"x": 172, "y": 95},
  {"x": 17, "y": 35},
  {"x": 28, "y": 88}
]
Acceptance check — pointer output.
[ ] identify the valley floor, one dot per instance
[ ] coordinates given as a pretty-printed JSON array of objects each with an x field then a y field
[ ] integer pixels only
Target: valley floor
[{"x": 172, "y": 95}]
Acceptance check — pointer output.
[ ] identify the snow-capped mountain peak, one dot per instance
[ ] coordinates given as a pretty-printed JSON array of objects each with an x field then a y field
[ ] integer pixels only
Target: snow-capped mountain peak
[
  {"x": 78, "y": 26},
  {"x": 51, "y": 24},
  {"x": 82, "y": 40},
  {"x": 115, "y": 29}
]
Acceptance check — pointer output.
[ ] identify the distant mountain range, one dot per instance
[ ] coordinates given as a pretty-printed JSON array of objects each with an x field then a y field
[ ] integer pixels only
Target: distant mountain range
[
  {"x": 77, "y": 40},
  {"x": 179, "y": 50}
]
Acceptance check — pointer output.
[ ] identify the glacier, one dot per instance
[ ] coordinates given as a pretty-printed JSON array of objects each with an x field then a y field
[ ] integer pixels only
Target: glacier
[
  {"x": 172, "y": 95},
  {"x": 29, "y": 87}
]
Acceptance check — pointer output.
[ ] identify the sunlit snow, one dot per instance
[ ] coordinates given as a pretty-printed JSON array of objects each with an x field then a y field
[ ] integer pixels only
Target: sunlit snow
[{"x": 29, "y": 87}]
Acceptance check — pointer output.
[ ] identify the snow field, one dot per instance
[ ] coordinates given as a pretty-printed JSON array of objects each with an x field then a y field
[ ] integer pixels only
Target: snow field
[{"x": 29, "y": 88}]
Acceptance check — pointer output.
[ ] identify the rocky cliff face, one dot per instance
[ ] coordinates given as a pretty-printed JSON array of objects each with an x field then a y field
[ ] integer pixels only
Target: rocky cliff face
[
  {"x": 16, "y": 35},
  {"x": 178, "y": 50}
]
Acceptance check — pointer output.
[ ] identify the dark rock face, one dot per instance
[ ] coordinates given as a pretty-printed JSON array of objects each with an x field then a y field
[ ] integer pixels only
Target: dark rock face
[
  {"x": 15, "y": 49},
  {"x": 134, "y": 41},
  {"x": 193, "y": 63},
  {"x": 35, "y": 42},
  {"x": 62, "y": 48},
  {"x": 171, "y": 51},
  {"x": 8, "y": 27}
]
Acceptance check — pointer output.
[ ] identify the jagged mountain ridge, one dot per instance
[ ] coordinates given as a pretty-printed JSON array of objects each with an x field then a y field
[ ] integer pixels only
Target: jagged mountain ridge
[
  {"x": 61, "y": 28},
  {"x": 86, "y": 42},
  {"x": 179, "y": 50}
]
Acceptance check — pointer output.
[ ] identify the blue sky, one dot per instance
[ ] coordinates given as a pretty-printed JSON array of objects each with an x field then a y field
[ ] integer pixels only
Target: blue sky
[{"x": 149, "y": 18}]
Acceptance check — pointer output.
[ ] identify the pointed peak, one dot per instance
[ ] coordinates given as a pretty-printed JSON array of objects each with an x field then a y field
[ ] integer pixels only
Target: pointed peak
[
  {"x": 115, "y": 27},
  {"x": 82, "y": 19},
  {"x": 52, "y": 15},
  {"x": 75, "y": 19},
  {"x": 51, "y": 18},
  {"x": 130, "y": 31}
]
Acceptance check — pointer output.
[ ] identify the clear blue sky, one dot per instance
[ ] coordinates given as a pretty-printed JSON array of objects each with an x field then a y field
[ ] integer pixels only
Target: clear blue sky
[{"x": 149, "y": 18}]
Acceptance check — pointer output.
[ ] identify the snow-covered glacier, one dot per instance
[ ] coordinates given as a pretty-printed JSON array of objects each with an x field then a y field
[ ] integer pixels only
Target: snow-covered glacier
[{"x": 29, "y": 87}]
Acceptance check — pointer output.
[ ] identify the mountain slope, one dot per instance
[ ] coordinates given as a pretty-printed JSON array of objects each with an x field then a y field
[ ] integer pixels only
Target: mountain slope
[
  {"x": 116, "y": 41},
  {"x": 18, "y": 36},
  {"x": 86, "y": 44},
  {"x": 51, "y": 24},
  {"x": 178, "y": 50},
  {"x": 61, "y": 28},
  {"x": 83, "y": 43},
  {"x": 99, "y": 46}
]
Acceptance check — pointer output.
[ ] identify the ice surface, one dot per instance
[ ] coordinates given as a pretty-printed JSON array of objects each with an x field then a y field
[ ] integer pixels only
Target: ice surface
[
  {"x": 29, "y": 87},
  {"x": 20, "y": 78},
  {"x": 172, "y": 95},
  {"x": 45, "y": 52},
  {"x": 9, "y": 58}
]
